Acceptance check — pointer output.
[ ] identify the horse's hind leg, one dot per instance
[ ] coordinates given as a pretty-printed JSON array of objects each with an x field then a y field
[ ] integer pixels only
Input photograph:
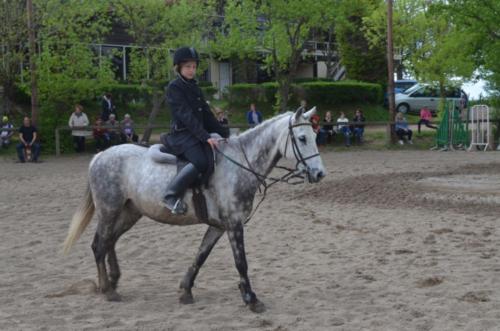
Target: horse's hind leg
[
  {"x": 209, "y": 240},
  {"x": 103, "y": 241},
  {"x": 127, "y": 219}
]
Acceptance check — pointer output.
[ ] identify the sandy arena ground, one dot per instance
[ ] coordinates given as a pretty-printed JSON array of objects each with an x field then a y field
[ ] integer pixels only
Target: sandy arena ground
[{"x": 395, "y": 240}]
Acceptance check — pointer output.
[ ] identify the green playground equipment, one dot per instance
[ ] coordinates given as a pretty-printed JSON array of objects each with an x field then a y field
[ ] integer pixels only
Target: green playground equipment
[{"x": 452, "y": 133}]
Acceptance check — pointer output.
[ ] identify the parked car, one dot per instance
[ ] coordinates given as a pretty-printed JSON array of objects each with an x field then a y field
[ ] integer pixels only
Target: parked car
[
  {"x": 399, "y": 87},
  {"x": 402, "y": 85},
  {"x": 424, "y": 95}
]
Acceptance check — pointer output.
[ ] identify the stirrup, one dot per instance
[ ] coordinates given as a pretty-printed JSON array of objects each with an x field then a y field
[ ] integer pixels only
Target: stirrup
[{"x": 179, "y": 207}]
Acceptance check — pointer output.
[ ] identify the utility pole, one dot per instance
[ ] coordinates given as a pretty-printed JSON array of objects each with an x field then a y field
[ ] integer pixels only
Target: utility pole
[
  {"x": 390, "y": 73},
  {"x": 32, "y": 53}
]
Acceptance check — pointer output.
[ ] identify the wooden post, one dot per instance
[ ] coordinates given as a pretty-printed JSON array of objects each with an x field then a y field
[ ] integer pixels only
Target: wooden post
[
  {"x": 390, "y": 74},
  {"x": 58, "y": 143},
  {"x": 32, "y": 53}
]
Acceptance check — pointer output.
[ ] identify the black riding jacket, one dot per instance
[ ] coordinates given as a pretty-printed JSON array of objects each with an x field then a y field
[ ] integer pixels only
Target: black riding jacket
[{"x": 192, "y": 120}]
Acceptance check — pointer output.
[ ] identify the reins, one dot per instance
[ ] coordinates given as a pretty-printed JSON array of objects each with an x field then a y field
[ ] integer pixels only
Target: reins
[{"x": 267, "y": 181}]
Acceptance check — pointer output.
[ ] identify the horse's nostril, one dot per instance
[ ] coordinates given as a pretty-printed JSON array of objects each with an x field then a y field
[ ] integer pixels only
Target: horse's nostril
[{"x": 321, "y": 174}]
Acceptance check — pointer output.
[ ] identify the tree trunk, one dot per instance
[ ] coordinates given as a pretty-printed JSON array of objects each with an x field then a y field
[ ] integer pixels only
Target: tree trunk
[
  {"x": 157, "y": 101},
  {"x": 32, "y": 53},
  {"x": 390, "y": 75}
]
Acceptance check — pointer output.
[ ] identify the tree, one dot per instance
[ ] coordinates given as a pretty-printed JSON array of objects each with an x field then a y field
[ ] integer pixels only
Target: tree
[
  {"x": 476, "y": 23},
  {"x": 363, "y": 60},
  {"x": 277, "y": 30},
  {"x": 159, "y": 27},
  {"x": 13, "y": 36},
  {"x": 68, "y": 70}
]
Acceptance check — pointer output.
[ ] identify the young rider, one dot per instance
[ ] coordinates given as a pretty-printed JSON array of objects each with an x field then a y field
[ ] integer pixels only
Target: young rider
[{"x": 191, "y": 123}]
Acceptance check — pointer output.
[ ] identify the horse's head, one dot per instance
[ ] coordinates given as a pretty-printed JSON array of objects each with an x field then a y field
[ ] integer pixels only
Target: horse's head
[{"x": 299, "y": 144}]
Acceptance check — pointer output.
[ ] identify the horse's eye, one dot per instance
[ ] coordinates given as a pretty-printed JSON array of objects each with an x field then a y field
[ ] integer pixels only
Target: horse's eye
[{"x": 302, "y": 139}]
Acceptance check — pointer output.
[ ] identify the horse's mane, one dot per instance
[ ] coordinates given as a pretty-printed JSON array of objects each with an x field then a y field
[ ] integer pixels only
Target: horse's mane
[{"x": 257, "y": 130}]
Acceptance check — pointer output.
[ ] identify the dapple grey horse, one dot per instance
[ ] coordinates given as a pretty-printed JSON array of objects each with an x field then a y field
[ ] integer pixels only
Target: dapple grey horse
[{"x": 126, "y": 182}]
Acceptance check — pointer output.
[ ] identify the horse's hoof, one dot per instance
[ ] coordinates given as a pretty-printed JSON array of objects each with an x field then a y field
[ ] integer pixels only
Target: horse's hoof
[
  {"x": 113, "y": 296},
  {"x": 186, "y": 298},
  {"x": 257, "y": 306}
]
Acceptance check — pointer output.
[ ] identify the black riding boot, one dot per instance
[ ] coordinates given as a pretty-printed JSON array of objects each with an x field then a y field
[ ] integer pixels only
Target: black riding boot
[{"x": 177, "y": 188}]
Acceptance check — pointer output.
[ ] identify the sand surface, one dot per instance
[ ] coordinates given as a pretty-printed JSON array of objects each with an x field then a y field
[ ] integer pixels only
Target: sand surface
[{"x": 398, "y": 240}]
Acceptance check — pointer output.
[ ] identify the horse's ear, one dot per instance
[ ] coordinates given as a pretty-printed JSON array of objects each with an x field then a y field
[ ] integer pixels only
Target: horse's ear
[
  {"x": 310, "y": 113},
  {"x": 299, "y": 113}
]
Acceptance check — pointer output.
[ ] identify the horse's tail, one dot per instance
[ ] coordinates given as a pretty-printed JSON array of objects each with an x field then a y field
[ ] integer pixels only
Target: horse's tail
[{"x": 81, "y": 219}]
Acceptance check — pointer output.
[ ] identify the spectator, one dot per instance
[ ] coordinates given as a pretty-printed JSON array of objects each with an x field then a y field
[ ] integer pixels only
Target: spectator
[
  {"x": 6, "y": 135},
  {"x": 77, "y": 121},
  {"x": 221, "y": 117},
  {"x": 326, "y": 132},
  {"x": 425, "y": 118},
  {"x": 108, "y": 107},
  {"x": 343, "y": 128},
  {"x": 113, "y": 130},
  {"x": 303, "y": 105},
  {"x": 254, "y": 117},
  {"x": 402, "y": 129},
  {"x": 101, "y": 136},
  {"x": 358, "y": 126},
  {"x": 28, "y": 136},
  {"x": 128, "y": 132}
]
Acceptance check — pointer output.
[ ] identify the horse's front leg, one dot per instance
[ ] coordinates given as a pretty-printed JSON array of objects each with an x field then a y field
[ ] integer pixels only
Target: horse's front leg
[
  {"x": 235, "y": 233},
  {"x": 209, "y": 240}
]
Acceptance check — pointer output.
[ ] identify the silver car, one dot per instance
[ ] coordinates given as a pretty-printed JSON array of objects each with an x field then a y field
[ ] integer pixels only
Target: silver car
[{"x": 423, "y": 95}]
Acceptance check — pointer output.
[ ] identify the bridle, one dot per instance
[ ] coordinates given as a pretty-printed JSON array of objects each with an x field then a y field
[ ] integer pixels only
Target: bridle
[
  {"x": 267, "y": 181},
  {"x": 295, "y": 147}
]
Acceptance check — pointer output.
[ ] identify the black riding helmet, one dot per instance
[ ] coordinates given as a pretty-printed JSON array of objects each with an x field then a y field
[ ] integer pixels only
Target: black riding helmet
[{"x": 185, "y": 54}]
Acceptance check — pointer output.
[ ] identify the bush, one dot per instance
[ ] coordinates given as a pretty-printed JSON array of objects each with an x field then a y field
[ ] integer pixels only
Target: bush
[
  {"x": 208, "y": 91},
  {"x": 342, "y": 92},
  {"x": 321, "y": 93}
]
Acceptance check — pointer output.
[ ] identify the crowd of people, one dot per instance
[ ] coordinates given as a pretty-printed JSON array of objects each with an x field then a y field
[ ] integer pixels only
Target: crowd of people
[{"x": 108, "y": 131}]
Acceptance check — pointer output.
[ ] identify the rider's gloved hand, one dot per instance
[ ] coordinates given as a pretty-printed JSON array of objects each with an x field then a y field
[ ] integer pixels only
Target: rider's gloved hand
[{"x": 212, "y": 142}]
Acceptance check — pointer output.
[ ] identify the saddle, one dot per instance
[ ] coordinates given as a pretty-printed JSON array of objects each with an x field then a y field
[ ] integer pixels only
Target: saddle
[{"x": 159, "y": 154}]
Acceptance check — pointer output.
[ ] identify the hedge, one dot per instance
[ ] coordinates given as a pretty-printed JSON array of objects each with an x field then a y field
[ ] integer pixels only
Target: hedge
[
  {"x": 322, "y": 93},
  {"x": 341, "y": 92}
]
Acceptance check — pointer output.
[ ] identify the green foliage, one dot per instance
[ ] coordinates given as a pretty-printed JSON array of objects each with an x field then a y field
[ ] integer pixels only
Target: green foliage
[
  {"x": 363, "y": 60},
  {"x": 334, "y": 93},
  {"x": 323, "y": 94},
  {"x": 161, "y": 26},
  {"x": 276, "y": 30},
  {"x": 68, "y": 72}
]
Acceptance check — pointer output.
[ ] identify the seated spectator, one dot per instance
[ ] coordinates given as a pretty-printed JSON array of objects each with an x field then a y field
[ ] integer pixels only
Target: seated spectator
[
  {"x": 254, "y": 117},
  {"x": 402, "y": 129},
  {"x": 78, "y": 120},
  {"x": 358, "y": 127},
  {"x": 425, "y": 118},
  {"x": 28, "y": 145},
  {"x": 315, "y": 126},
  {"x": 113, "y": 130},
  {"x": 101, "y": 136},
  {"x": 343, "y": 127},
  {"x": 128, "y": 133},
  {"x": 6, "y": 135},
  {"x": 326, "y": 132},
  {"x": 221, "y": 117}
]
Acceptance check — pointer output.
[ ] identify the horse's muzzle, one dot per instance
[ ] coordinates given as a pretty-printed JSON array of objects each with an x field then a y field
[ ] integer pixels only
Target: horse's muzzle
[{"x": 314, "y": 175}]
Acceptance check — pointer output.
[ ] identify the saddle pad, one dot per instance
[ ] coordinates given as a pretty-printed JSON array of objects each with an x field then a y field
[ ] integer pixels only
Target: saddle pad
[{"x": 157, "y": 155}]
